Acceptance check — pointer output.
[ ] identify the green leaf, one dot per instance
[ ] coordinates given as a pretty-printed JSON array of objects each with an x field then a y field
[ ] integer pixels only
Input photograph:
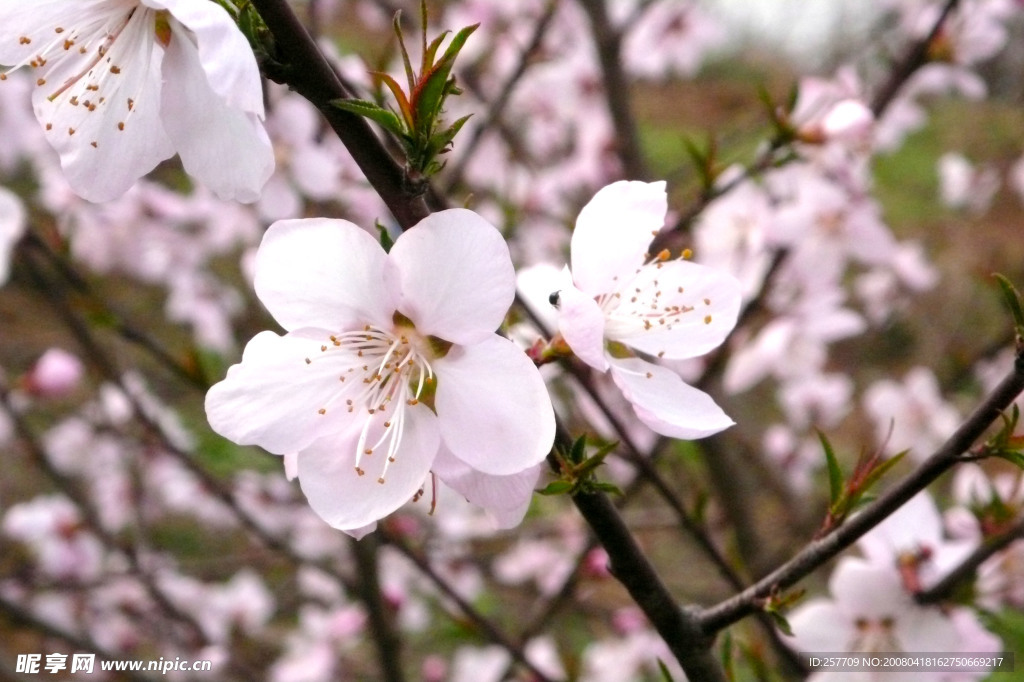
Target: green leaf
[
  {"x": 728, "y": 665},
  {"x": 1011, "y": 456},
  {"x": 605, "y": 487},
  {"x": 665, "y": 674},
  {"x": 556, "y": 488},
  {"x": 430, "y": 51},
  {"x": 409, "y": 73},
  {"x": 386, "y": 241},
  {"x": 440, "y": 143},
  {"x": 403, "y": 101},
  {"x": 881, "y": 470},
  {"x": 1012, "y": 297},
  {"x": 781, "y": 622},
  {"x": 835, "y": 473},
  {"x": 387, "y": 119},
  {"x": 433, "y": 87},
  {"x": 578, "y": 453},
  {"x": 424, "y": 23}
]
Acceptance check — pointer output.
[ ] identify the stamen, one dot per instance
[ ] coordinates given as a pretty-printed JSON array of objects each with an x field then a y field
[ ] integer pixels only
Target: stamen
[{"x": 392, "y": 374}]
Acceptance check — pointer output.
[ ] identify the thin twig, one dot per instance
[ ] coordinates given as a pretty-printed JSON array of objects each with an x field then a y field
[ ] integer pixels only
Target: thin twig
[
  {"x": 381, "y": 616},
  {"x": 817, "y": 553},
  {"x": 969, "y": 566},
  {"x": 497, "y": 108},
  {"x": 608, "y": 43},
  {"x": 916, "y": 57},
  {"x": 19, "y": 614},
  {"x": 482, "y": 623}
]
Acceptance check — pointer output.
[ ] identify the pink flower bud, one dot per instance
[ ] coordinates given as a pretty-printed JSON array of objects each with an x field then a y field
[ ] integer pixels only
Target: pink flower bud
[
  {"x": 55, "y": 375},
  {"x": 849, "y": 121}
]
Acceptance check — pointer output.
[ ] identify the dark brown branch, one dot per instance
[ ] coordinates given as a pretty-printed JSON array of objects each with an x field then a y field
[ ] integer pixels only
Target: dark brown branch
[
  {"x": 915, "y": 58},
  {"x": 820, "y": 551},
  {"x": 300, "y": 65},
  {"x": 677, "y": 626}
]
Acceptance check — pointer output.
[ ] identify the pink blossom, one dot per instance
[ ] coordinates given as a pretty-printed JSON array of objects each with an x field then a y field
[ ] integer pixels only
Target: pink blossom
[
  {"x": 55, "y": 374},
  {"x": 618, "y": 301},
  {"x": 390, "y": 369}
]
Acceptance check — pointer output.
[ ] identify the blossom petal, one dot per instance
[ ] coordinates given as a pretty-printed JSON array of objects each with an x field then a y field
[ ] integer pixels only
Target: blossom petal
[
  {"x": 34, "y": 20},
  {"x": 665, "y": 403},
  {"x": 868, "y": 590},
  {"x": 706, "y": 302},
  {"x": 506, "y": 498},
  {"x": 582, "y": 325},
  {"x": 323, "y": 273},
  {"x": 222, "y": 146},
  {"x": 456, "y": 276},
  {"x": 494, "y": 409},
  {"x": 12, "y": 226},
  {"x": 109, "y": 137},
  {"x": 273, "y": 397},
  {"x": 348, "y": 501},
  {"x": 224, "y": 53},
  {"x": 614, "y": 231},
  {"x": 819, "y": 625}
]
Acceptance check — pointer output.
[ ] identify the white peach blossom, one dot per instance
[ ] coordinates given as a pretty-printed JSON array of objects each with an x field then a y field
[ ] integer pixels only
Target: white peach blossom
[
  {"x": 390, "y": 370},
  {"x": 619, "y": 305}
]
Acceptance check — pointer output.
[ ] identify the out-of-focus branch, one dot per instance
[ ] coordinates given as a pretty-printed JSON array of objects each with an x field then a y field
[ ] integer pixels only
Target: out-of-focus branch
[
  {"x": 95, "y": 354},
  {"x": 820, "y": 551},
  {"x": 75, "y": 282},
  {"x": 608, "y": 43},
  {"x": 986, "y": 550},
  {"x": 21, "y": 615},
  {"x": 302, "y": 66},
  {"x": 497, "y": 108},
  {"x": 482, "y": 623},
  {"x": 779, "y": 151},
  {"x": 72, "y": 490},
  {"x": 382, "y": 626},
  {"x": 916, "y": 57}
]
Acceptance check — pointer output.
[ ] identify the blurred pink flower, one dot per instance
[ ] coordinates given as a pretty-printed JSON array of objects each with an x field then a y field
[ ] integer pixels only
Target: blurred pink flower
[
  {"x": 55, "y": 374},
  {"x": 870, "y": 612}
]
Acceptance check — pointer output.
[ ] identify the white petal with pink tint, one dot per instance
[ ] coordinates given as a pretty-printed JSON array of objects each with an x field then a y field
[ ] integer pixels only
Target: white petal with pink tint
[
  {"x": 495, "y": 412},
  {"x": 400, "y": 361},
  {"x": 664, "y": 403},
  {"x": 613, "y": 232},
  {"x": 325, "y": 273},
  {"x": 456, "y": 276},
  {"x": 124, "y": 84},
  {"x": 346, "y": 499}
]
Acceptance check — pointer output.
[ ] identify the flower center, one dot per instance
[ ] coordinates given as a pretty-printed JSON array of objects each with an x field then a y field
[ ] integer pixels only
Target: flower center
[
  {"x": 652, "y": 297},
  {"x": 382, "y": 374},
  {"x": 875, "y": 636}
]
